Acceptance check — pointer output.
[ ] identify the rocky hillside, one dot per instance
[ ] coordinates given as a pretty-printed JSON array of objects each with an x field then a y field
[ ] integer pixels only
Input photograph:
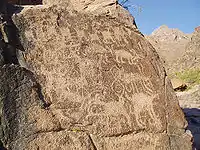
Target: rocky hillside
[
  {"x": 100, "y": 83},
  {"x": 191, "y": 57},
  {"x": 170, "y": 44},
  {"x": 179, "y": 51}
]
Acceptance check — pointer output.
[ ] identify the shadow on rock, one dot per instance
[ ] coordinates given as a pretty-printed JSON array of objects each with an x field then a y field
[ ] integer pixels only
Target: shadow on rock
[{"x": 193, "y": 117}]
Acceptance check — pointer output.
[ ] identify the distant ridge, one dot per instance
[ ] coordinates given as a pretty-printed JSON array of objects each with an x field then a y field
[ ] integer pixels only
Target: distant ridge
[{"x": 171, "y": 45}]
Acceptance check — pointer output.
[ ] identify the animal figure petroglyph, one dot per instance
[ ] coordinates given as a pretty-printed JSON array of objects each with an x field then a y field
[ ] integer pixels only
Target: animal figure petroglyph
[{"x": 122, "y": 55}]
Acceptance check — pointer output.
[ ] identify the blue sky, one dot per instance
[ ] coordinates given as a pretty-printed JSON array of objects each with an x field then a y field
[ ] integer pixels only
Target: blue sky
[{"x": 181, "y": 14}]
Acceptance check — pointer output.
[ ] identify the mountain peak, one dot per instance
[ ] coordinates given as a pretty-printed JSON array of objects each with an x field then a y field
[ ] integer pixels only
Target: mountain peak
[{"x": 164, "y": 33}]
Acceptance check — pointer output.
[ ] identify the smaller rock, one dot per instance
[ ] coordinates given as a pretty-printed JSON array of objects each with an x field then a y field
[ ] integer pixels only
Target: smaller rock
[
  {"x": 178, "y": 84},
  {"x": 190, "y": 98}
]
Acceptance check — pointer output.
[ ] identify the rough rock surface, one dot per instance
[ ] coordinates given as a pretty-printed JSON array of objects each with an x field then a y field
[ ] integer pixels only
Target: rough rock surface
[
  {"x": 96, "y": 7},
  {"x": 105, "y": 82}
]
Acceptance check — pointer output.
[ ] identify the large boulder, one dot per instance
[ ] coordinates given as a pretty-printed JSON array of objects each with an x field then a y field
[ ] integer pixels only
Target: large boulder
[{"x": 106, "y": 85}]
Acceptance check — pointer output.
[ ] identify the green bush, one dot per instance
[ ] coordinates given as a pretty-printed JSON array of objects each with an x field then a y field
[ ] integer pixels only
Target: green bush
[{"x": 189, "y": 76}]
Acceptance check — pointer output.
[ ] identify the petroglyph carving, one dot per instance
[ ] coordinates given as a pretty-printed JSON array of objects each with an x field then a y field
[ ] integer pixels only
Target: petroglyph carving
[
  {"x": 104, "y": 86},
  {"x": 122, "y": 56},
  {"x": 118, "y": 87},
  {"x": 138, "y": 83}
]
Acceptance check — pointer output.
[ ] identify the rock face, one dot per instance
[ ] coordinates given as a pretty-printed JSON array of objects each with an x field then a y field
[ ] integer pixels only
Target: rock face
[
  {"x": 96, "y": 7},
  {"x": 105, "y": 83}
]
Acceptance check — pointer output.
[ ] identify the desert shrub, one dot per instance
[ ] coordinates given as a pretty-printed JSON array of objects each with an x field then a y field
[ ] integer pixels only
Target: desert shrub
[{"x": 189, "y": 76}]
